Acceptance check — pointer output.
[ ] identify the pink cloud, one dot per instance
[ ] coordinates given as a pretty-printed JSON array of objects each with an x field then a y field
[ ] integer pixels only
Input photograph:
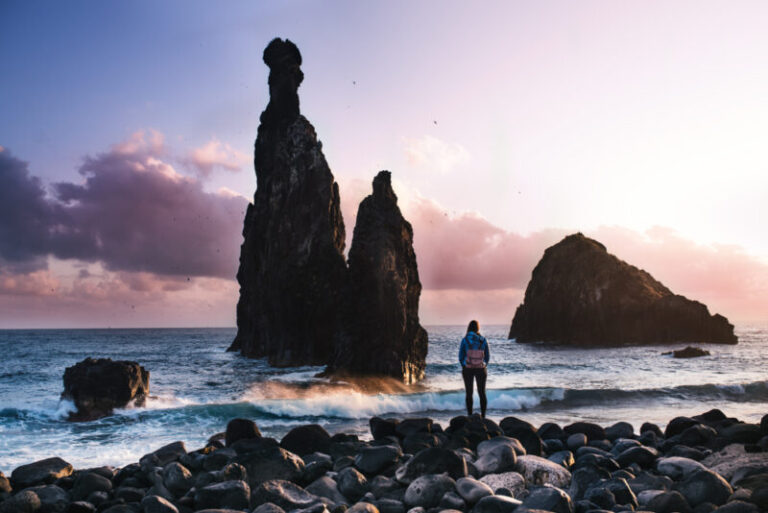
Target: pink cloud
[{"x": 215, "y": 155}]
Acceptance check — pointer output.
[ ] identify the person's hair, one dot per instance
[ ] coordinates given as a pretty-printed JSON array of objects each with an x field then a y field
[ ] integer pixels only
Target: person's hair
[{"x": 473, "y": 326}]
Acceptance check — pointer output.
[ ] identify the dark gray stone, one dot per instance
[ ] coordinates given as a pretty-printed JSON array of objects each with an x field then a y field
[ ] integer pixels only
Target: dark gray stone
[
  {"x": 53, "y": 499},
  {"x": 241, "y": 429},
  {"x": 327, "y": 487},
  {"x": 426, "y": 491},
  {"x": 155, "y": 504},
  {"x": 669, "y": 502},
  {"x": 549, "y": 498},
  {"x": 89, "y": 482},
  {"x": 432, "y": 461},
  {"x": 25, "y": 501},
  {"x": 472, "y": 490},
  {"x": 303, "y": 440},
  {"x": 704, "y": 486},
  {"x": 229, "y": 494},
  {"x": 352, "y": 484},
  {"x": 496, "y": 504},
  {"x": 372, "y": 460},
  {"x": 40, "y": 472}
]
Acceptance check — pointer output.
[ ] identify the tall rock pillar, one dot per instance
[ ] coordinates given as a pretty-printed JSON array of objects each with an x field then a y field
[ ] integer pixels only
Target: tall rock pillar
[
  {"x": 292, "y": 268},
  {"x": 380, "y": 333}
]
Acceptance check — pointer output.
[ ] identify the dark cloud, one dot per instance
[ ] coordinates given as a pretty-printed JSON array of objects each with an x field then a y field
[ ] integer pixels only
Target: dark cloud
[
  {"x": 131, "y": 212},
  {"x": 26, "y": 216}
]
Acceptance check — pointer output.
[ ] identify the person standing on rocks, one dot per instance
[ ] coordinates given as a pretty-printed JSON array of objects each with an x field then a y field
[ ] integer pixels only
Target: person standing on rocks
[{"x": 473, "y": 357}]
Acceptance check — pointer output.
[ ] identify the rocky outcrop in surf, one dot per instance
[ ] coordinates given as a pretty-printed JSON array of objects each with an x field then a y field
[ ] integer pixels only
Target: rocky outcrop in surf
[
  {"x": 580, "y": 294},
  {"x": 380, "y": 332},
  {"x": 292, "y": 267},
  {"x": 98, "y": 386},
  {"x": 299, "y": 303}
]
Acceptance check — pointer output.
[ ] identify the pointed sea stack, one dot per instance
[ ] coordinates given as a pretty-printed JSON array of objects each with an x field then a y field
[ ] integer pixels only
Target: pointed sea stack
[
  {"x": 580, "y": 294},
  {"x": 381, "y": 334},
  {"x": 292, "y": 266}
]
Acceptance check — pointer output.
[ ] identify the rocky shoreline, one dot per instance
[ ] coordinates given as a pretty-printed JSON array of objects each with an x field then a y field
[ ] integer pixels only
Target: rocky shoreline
[{"x": 699, "y": 464}]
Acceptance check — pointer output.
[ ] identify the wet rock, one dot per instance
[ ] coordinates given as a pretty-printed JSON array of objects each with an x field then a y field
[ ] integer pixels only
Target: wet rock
[
  {"x": 575, "y": 441},
  {"x": 743, "y": 433},
  {"x": 591, "y": 430},
  {"x": 550, "y": 430},
  {"x": 577, "y": 282},
  {"x": 363, "y": 507},
  {"x": 688, "y": 352},
  {"x": 98, "y": 386},
  {"x": 677, "y": 468},
  {"x": 307, "y": 439},
  {"x": 539, "y": 471},
  {"x": 129, "y": 494},
  {"x": 53, "y": 499},
  {"x": 381, "y": 313},
  {"x": 488, "y": 446},
  {"x": 472, "y": 490},
  {"x": 40, "y": 472},
  {"x": 619, "y": 430},
  {"x": 382, "y": 428},
  {"x": 81, "y": 507},
  {"x": 177, "y": 478},
  {"x": 327, "y": 487},
  {"x": 601, "y": 497},
  {"x": 431, "y": 461},
  {"x": 669, "y": 502},
  {"x": 292, "y": 269},
  {"x": 704, "y": 486},
  {"x": 738, "y": 507},
  {"x": 419, "y": 441},
  {"x": 283, "y": 494},
  {"x": 372, "y": 460},
  {"x": 677, "y": 425},
  {"x": 352, "y": 484},
  {"x": 89, "y": 482},
  {"x": 584, "y": 478},
  {"x": 241, "y": 429},
  {"x": 426, "y": 491},
  {"x": 408, "y": 427},
  {"x": 549, "y": 498},
  {"x": 496, "y": 504},
  {"x": 643, "y": 456},
  {"x": 512, "y": 481},
  {"x": 452, "y": 501},
  {"x": 524, "y": 432},
  {"x": 155, "y": 504},
  {"x": 229, "y": 494},
  {"x": 389, "y": 506},
  {"x": 382, "y": 486},
  {"x": 698, "y": 434},
  {"x": 25, "y": 501},
  {"x": 562, "y": 458},
  {"x": 269, "y": 462},
  {"x": 496, "y": 459},
  {"x": 268, "y": 507}
]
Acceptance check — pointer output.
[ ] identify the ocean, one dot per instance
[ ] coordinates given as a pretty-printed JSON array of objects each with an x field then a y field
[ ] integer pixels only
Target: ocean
[{"x": 196, "y": 387}]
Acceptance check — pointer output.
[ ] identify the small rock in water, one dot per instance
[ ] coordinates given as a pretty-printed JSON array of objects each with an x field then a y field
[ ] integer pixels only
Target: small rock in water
[
  {"x": 98, "y": 386},
  {"x": 688, "y": 352}
]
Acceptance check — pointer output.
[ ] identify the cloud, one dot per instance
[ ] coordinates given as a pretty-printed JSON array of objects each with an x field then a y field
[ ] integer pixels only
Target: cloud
[
  {"x": 26, "y": 216},
  {"x": 132, "y": 212},
  {"x": 214, "y": 155},
  {"x": 430, "y": 153}
]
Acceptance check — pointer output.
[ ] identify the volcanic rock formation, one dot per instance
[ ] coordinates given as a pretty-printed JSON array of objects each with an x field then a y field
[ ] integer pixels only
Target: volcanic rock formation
[
  {"x": 299, "y": 303},
  {"x": 98, "y": 386},
  {"x": 580, "y": 294},
  {"x": 380, "y": 333},
  {"x": 292, "y": 267}
]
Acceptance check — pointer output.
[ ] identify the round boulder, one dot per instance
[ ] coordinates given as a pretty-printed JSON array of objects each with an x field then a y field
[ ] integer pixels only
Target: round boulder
[
  {"x": 241, "y": 429},
  {"x": 307, "y": 439},
  {"x": 229, "y": 494},
  {"x": 372, "y": 460},
  {"x": 426, "y": 491},
  {"x": 496, "y": 504},
  {"x": 540, "y": 471},
  {"x": 472, "y": 490},
  {"x": 40, "y": 472},
  {"x": 352, "y": 484},
  {"x": 432, "y": 461},
  {"x": 549, "y": 498}
]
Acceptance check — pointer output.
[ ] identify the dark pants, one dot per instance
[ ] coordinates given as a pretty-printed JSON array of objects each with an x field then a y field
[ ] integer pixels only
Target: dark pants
[{"x": 479, "y": 374}]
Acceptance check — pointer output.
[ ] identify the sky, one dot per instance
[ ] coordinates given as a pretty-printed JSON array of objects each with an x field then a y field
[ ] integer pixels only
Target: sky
[{"x": 127, "y": 133}]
